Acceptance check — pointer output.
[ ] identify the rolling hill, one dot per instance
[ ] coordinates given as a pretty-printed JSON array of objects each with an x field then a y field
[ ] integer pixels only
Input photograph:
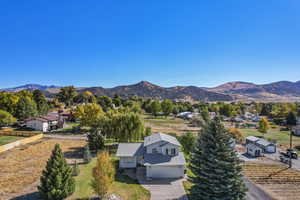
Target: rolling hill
[{"x": 231, "y": 91}]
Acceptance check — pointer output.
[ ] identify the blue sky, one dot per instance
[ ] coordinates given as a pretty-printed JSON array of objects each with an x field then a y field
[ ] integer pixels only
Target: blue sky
[{"x": 169, "y": 42}]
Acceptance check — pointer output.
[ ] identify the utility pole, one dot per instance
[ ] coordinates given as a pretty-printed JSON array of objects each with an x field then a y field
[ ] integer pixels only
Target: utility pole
[{"x": 291, "y": 147}]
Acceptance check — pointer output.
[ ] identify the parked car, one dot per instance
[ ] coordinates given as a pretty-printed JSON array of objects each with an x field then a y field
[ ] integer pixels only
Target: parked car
[
  {"x": 290, "y": 152},
  {"x": 284, "y": 159}
]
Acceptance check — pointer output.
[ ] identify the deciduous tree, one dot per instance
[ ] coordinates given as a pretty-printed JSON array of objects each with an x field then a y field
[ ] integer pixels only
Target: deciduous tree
[
  {"x": 25, "y": 108},
  {"x": 88, "y": 114},
  {"x": 103, "y": 174},
  {"x": 167, "y": 107},
  {"x": 67, "y": 95},
  {"x": 6, "y": 119},
  {"x": 263, "y": 125}
]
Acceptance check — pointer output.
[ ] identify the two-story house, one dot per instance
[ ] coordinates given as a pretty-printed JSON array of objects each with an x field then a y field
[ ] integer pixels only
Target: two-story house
[{"x": 159, "y": 153}]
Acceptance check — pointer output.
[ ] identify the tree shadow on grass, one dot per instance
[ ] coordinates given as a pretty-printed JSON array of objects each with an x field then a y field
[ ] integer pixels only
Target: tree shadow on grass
[
  {"x": 31, "y": 196},
  {"x": 74, "y": 153}
]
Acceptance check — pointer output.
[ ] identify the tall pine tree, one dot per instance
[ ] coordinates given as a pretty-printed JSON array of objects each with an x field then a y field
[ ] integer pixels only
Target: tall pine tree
[
  {"x": 215, "y": 165},
  {"x": 57, "y": 182}
]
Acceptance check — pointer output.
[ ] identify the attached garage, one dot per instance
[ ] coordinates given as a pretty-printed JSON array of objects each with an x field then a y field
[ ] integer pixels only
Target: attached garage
[{"x": 165, "y": 171}]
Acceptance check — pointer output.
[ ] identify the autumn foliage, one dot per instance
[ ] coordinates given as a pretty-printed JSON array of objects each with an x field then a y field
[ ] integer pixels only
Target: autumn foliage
[{"x": 103, "y": 174}]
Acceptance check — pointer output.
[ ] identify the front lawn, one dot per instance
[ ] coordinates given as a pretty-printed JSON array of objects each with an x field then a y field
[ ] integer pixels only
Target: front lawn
[
  {"x": 124, "y": 186},
  {"x": 9, "y": 139}
]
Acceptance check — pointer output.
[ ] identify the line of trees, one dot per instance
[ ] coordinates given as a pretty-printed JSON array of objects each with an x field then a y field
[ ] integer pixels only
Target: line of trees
[{"x": 22, "y": 105}]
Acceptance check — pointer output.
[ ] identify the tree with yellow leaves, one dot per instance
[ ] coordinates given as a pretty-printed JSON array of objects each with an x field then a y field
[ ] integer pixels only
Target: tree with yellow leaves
[
  {"x": 103, "y": 174},
  {"x": 88, "y": 114},
  {"x": 263, "y": 125},
  {"x": 236, "y": 134}
]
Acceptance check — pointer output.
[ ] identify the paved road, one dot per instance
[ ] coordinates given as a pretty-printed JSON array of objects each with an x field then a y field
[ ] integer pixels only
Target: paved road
[
  {"x": 162, "y": 189},
  {"x": 275, "y": 156},
  {"x": 255, "y": 193},
  {"x": 65, "y": 137}
]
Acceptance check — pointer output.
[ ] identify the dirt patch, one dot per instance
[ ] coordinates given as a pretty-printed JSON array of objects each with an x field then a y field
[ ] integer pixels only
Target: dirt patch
[
  {"x": 281, "y": 182},
  {"x": 20, "y": 168}
]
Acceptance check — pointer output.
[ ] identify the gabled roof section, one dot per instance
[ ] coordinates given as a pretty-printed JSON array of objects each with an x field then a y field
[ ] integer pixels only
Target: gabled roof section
[
  {"x": 157, "y": 137},
  {"x": 264, "y": 142},
  {"x": 164, "y": 160},
  {"x": 130, "y": 149},
  {"x": 252, "y": 138}
]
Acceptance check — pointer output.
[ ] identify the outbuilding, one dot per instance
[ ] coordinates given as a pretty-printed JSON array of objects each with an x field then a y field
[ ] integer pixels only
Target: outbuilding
[
  {"x": 266, "y": 146},
  {"x": 296, "y": 131},
  {"x": 254, "y": 150}
]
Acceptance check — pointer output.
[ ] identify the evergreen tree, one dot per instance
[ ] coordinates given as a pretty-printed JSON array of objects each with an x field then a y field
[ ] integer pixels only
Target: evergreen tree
[
  {"x": 96, "y": 140},
  {"x": 57, "y": 182},
  {"x": 215, "y": 165},
  {"x": 291, "y": 119},
  {"x": 87, "y": 154}
]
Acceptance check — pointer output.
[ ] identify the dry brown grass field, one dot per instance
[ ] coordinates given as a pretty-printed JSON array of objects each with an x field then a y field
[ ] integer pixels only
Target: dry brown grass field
[
  {"x": 20, "y": 168},
  {"x": 169, "y": 125},
  {"x": 279, "y": 181}
]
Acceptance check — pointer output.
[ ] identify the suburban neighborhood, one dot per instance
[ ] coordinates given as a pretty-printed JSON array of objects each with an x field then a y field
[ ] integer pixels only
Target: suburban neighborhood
[{"x": 149, "y": 100}]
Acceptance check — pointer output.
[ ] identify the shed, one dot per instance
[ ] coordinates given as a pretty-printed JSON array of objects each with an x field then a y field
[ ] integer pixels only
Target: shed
[
  {"x": 254, "y": 150},
  {"x": 266, "y": 146}
]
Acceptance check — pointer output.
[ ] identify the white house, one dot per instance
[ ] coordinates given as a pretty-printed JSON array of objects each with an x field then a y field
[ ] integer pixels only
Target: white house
[
  {"x": 159, "y": 153},
  {"x": 44, "y": 123}
]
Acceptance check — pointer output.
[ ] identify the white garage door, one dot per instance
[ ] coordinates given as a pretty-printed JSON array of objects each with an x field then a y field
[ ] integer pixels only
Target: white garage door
[{"x": 165, "y": 171}]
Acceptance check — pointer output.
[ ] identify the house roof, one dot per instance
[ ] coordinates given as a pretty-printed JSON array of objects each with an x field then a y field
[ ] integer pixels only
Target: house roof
[
  {"x": 36, "y": 118},
  {"x": 252, "y": 138},
  {"x": 43, "y": 118},
  {"x": 160, "y": 159},
  {"x": 130, "y": 149},
  {"x": 157, "y": 137},
  {"x": 264, "y": 142}
]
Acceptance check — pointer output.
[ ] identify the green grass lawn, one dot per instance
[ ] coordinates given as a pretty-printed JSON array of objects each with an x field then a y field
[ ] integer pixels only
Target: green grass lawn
[
  {"x": 9, "y": 139},
  {"x": 281, "y": 137},
  {"x": 124, "y": 186}
]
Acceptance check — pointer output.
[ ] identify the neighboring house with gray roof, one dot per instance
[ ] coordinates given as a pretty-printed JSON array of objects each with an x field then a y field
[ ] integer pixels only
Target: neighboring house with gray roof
[
  {"x": 253, "y": 144},
  {"x": 159, "y": 153}
]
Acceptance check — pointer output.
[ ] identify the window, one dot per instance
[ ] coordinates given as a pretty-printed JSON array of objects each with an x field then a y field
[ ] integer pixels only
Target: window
[
  {"x": 154, "y": 150},
  {"x": 167, "y": 151},
  {"x": 173, "y": 151}
]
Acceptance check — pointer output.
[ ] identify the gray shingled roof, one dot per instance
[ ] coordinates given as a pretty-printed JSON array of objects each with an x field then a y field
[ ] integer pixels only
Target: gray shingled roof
[
  {"x": 160, "y": 159},
  {"x": 157, "y": 137},
  {"x": 252, "y": 138},
  {"x": 264, "y": 142},
  {"x": 130, "y": 149}
]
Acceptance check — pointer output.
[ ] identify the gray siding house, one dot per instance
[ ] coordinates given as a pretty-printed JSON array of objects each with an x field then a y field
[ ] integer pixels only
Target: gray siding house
[
  {"x": 255, "y": 146},
  {"x": 159, "y": 153}
]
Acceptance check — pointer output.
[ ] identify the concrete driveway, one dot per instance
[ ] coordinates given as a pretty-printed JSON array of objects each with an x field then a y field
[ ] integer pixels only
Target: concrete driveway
[{"x": 162, "y": 189}]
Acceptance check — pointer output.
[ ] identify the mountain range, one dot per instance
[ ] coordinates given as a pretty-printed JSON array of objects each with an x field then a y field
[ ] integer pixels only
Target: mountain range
[{"x": 231, "y": 91}]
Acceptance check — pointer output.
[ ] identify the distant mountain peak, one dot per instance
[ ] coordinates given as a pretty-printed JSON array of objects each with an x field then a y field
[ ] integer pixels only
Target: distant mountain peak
[
  {"x": 146, "y": 84},
  {"x": 30, "y": 86}
]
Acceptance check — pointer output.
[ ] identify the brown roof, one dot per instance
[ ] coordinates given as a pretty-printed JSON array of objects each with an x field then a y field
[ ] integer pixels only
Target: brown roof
[{"x": 43, "y": 118}]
